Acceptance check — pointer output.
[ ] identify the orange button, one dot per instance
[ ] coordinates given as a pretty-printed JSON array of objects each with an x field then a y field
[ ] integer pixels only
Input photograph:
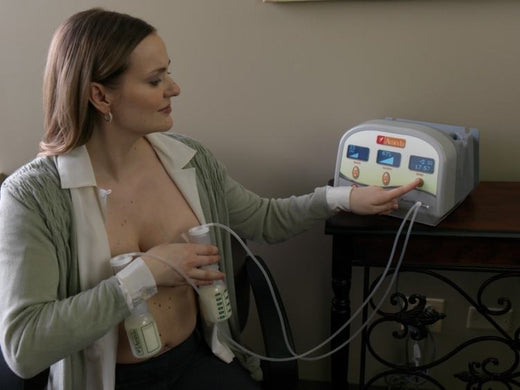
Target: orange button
[
  {"x": 355, "y": 172},
  {"x": 386, "y": 178}
]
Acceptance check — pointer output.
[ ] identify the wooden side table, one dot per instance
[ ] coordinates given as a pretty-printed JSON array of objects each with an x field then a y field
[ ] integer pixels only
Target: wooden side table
[{"x": 482, "y": 234}]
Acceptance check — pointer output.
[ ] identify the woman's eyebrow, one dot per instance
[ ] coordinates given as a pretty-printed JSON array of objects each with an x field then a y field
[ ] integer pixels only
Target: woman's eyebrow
[{"x": 161, "y": 69}]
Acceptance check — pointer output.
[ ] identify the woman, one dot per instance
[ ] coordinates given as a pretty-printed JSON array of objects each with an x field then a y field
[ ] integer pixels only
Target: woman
[{"x": 109, "y": 181}]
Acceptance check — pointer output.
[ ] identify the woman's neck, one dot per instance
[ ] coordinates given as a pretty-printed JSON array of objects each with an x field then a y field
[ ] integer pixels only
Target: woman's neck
[{"x": 115, "y": 158}]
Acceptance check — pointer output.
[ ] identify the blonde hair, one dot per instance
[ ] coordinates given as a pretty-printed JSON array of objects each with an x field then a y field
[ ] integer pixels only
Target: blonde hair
[{"x": 90, "y": 46}]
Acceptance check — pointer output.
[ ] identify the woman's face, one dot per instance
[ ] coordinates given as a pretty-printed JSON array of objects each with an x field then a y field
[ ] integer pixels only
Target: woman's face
[{"x": 141, "y": 103}]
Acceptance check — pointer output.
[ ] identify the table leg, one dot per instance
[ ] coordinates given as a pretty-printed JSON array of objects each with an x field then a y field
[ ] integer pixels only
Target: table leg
[{"x": 340, "y": 312}]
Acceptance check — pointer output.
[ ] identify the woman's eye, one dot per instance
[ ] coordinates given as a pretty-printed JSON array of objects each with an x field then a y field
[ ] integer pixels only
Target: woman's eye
[{"x": 157, "y": 81}]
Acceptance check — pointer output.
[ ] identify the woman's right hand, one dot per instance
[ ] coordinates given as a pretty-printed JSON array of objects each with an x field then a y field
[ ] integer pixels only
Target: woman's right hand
[
  {"x": 377, "y": 200},
  {"x": 189, "y": 258}
]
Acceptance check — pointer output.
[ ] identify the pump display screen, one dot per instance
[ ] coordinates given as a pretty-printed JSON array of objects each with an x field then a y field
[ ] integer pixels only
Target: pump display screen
[
  {"x": 358, "y": 152},
  {"x": 421, "y": 164},
  {"x": 385, "y": 157}
]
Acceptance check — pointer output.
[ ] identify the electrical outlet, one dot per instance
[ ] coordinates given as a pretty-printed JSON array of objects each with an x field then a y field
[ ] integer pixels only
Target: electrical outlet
[
  {"x": 475, "y": 320},
  {"x": 439, "y": 306}
]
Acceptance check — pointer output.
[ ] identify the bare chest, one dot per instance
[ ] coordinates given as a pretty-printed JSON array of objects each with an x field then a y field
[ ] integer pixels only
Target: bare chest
[{"x": 142, "y": 216}]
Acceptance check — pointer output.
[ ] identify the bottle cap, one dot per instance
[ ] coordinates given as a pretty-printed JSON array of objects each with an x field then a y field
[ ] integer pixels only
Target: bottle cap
[
  {"x": 119, "y": 262},
  {"x": 199, "y": 235}
]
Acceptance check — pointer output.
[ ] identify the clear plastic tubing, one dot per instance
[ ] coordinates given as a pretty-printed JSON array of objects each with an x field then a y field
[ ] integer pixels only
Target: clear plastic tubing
[{"x": 201, "y": 235}]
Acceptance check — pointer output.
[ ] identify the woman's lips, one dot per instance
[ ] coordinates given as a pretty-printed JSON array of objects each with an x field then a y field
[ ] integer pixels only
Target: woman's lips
[{"x": 166, "y": 110}]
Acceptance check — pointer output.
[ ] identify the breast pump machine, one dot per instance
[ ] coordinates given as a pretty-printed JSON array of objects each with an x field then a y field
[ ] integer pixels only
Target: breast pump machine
[
  {"x": 391, "y": 153},
  {"x": 386, "y": 153}
]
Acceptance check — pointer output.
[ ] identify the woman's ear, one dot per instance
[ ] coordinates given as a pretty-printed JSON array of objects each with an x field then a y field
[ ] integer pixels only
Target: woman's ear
[{"x": 99, "y": 97}]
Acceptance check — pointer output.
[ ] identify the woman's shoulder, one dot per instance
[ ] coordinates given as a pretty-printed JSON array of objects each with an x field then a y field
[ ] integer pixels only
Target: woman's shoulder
[{"x": 38, "y": 175}]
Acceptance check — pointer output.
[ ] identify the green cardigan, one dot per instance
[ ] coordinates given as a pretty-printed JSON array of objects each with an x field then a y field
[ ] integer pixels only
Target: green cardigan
[{"x": 45, "y": 318}]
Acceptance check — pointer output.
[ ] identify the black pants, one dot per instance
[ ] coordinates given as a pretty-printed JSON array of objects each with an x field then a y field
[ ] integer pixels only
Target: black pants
[{"x": 189, "y": 366}]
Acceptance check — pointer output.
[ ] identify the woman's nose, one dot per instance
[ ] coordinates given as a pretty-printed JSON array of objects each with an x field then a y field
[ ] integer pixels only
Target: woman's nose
[{"x": 173, "y": 88}]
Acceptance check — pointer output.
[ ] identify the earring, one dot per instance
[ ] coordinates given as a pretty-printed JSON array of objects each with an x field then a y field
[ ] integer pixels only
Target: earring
[{"x": 108, "y": 117}]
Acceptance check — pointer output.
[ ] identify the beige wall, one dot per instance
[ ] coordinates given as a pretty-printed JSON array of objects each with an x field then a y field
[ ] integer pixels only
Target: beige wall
[{"x": 270, "y": 88}]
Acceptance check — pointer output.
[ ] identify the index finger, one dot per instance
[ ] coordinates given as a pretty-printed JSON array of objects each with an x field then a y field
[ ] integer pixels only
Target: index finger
[
  {"x": 400, "y": 191},
  {"x": 205, "y": 249}
]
